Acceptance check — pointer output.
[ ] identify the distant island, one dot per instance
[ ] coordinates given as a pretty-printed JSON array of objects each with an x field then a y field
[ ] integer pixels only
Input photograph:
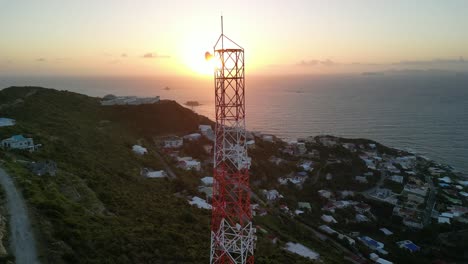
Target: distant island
[
  {"x": 137, "y": 179},
  {"x": 192, "y": 103}
]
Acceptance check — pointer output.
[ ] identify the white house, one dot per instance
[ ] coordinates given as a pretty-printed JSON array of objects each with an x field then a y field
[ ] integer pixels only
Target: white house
[
  {"x": 139, "y": 150},
  {"x": 155, "y": 174},
  {"x": 207, "y": 181},
  {"x": 361, "y": 179},
  {"x": 173, "y": 142},
  {"x": 396, "y": 178},
  {"x": 307, "y": 165},
  {"x": 19, "y": 142},
  {"x": 272, "y": 195},
  {"x": 193, "y": 136},
  {"x": 329, "y": 219},
  {"x": 187, "y": 163},
  {"x": 6, "y": 122}
]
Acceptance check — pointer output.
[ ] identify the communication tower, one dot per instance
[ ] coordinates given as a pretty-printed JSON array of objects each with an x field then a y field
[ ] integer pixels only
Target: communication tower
[{"x": 232, "y": 233}]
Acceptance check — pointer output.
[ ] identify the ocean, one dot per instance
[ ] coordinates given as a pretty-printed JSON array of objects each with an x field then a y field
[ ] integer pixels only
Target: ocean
[{"x": 424, "y": 113}]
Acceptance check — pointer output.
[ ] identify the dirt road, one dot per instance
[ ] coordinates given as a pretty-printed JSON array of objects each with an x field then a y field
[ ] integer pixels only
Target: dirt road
[{"x": 22, "y": 238}]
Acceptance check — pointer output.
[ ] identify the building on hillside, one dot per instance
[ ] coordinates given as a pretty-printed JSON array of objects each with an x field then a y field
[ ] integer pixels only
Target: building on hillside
[
  {"x": 193, "y": 136},
  {"x": 173, "y": 142},
  {"x": 408, "y": 245},
  {"x": 272, "y": 195},
  {"x": 307, "y": 165},
  {"x": 6, "y": 122},
  {"x": 304, "y": 205},
  {"x": 207, "y": 131},
  {"x": 327, "y": 229},
  {"x": 128, "y": 100},
  {"x": 325, "y": 193},
  {"x": 207, "y": 181},
  {"x": 397, "y": 178},
  {"x": 156, "y": 174},
  {"x": 139, "y": 150},
  {"x": 329, "y": 219},
  {"x": 386, "y": 231},
  {"x": 188, "y": 163},
  {"x": 361, "y": 179},
  {"x": 371, "y": 243},
  {"x": 19, "y": 142}
]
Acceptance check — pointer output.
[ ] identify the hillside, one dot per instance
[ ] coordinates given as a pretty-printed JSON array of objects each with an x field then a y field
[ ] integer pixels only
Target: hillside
[{"x": 98, "y": 208}]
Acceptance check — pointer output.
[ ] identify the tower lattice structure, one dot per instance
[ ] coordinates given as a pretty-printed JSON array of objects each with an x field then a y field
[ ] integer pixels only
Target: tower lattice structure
[{"x": 232, "y": 233}]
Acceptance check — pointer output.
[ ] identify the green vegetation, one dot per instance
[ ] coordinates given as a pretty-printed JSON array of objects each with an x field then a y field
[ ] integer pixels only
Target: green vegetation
[{"x": 98, "y": 208}]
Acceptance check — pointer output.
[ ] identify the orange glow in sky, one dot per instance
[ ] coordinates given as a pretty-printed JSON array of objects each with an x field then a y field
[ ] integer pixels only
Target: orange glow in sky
[{"x": 124, "y": 37}]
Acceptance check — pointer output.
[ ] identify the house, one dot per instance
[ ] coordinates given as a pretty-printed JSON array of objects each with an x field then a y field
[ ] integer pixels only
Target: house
[
  {"x": 193, "y": 136},
  {"x": 445, "y": 179},
  {"x": 304, "y": 205},
  {"x": 173, "y": 142},
  {"x": 328, "y": 219},
  {"x": 128, "y": 100},
  {"x": 207, "y": 131},
  {"x": 386, "y": 231},
  {"x": 408, "y": 245},
  {"x": 327, "y": 229},
  {"x": 361, "y": 218},
  {"x": 361, "y": 179},
  {"x": 272, "y": 195},
  {"x": 139, "y": 150},
  {"x": 187, "y": 163},
  {"x": 250, "y": 144},
  {"x": 156, "y": 174},
  {"x": 396, "y": 178},
  {"x": 6, "y": 122},
  {"x": 200, "y": 203},
  {"x": 382, "y": 261},
  {"x": 325, "y": 193},
  {"x": 443, "y": 220},
  {"x": 207, "y": 181},
  {"x": 19, "y": 142},
  {"x": 301, "y": 250},
  {"x": 268, "y": 138},
  {"x": 43, "y": 168},
  {"x": 371, "y": 243},
  {"x": 306, "y": 165}
]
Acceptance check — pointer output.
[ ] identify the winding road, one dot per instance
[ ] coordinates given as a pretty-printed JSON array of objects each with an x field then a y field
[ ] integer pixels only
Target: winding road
[{"x": 22, "y": 238}]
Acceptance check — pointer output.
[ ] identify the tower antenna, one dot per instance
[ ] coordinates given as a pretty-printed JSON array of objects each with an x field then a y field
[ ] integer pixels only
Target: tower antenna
[{"x": 232, "y": 233}]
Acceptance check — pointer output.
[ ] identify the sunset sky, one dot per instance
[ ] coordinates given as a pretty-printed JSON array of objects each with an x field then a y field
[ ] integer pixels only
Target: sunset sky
[{"x": 110, "y": 37}]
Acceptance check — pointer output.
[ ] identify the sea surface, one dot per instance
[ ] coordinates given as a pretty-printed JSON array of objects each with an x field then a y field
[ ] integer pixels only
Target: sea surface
[{"x": 424, "y": 113}]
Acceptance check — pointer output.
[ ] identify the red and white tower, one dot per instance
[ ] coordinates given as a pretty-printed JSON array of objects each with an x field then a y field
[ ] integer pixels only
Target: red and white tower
[{"x": 232, "y": 233}]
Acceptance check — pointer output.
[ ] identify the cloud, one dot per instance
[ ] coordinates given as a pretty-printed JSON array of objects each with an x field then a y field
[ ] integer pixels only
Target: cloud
[
  {"x": 40, "y": 59},
  {"x": 151, "y": 55},
  {"x": 308, "y": 63},
  {"x": 123, "y": 55}
]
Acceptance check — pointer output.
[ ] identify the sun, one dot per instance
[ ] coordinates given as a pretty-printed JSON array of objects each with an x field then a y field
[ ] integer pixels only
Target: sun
[
  {"x": 197, "y": 63},
  {"x": 192, "y": 48}
]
